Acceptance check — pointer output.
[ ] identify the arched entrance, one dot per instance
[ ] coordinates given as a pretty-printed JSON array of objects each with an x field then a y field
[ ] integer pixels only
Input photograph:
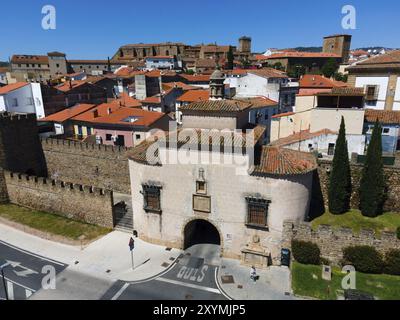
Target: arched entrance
[{"x": 200, "y": 232}]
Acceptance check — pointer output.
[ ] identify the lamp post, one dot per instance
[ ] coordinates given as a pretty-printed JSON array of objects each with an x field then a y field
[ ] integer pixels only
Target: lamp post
[{"x": 4, "y": 282}]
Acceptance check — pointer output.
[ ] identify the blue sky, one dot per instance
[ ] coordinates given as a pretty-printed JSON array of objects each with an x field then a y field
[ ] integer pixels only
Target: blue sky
[{"x": 95, "y": 29}]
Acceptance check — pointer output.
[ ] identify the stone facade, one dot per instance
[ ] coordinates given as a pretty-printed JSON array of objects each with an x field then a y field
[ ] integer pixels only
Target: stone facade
[
  {"x": 3, "y": 188},
  {"x": 84, "y": 203},
  {"x": 89, "y": 164},
  {"x": 227, "y": 191},
  {"x": 332, "y": 241},
  {"x": 392, "y": 174}
]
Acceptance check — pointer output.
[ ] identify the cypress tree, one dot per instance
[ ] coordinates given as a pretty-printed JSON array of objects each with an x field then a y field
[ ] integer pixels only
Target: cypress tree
[
  {"x": 230, "y": 59},
  {"x": 372, "y": 184},
  {"x": 339, "y": 191}
]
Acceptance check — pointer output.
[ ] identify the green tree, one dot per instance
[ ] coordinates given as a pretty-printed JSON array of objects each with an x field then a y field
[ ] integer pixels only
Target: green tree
[
  {"x": 372, "y": 184},
  {"x": 339, "y": 191},
  {"x": 341, "y": 77},
  {"x": 230, "y": 59},
  {"x": 329, "y": 68}
]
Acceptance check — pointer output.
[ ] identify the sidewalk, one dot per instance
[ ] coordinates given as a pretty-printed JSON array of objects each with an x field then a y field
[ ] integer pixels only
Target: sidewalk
[
  {"x": 272, "y": 284},
  {"x": 107, "y": 258}
]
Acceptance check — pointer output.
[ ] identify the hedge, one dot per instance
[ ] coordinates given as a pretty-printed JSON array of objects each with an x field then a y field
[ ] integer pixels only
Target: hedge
[
  {"x": 364, "y": 258},
  {"x": 392, "y": 262},
  {"x": 306, "y": 252}
]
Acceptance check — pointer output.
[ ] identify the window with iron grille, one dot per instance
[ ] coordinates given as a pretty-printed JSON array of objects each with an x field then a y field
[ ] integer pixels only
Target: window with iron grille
[
  {"x": 257, "y": 212},
  {"x": 151, "y": 197}
]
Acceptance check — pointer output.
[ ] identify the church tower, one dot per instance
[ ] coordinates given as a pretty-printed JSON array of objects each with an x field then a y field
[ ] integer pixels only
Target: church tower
[{"x": 217, "y": 86}]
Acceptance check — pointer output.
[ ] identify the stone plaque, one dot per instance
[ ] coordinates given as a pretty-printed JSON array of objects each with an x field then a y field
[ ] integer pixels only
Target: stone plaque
[
  {"x": 201, "y": 203},
  {"x": 327, "y": 273}
]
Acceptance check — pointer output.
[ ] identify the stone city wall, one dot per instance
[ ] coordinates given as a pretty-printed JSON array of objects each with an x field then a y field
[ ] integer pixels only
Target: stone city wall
[
  {"x": 332, "y": 241},
  {"x": 392, "y": 174},
  {"x": 84, "y": 203},
  {"x": 89, "y": 164}
]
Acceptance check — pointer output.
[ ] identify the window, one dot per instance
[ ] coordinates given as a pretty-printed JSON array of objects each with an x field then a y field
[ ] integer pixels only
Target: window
[
  {"x": 201, "y": 187},
  {"x": 29, "y": 101},
  {"x": 331, "y": 149},
  {"x": 151, "y": 197},
  {"x": 386, "y": 130},
  {"x": 14, "y": 102},
  {"x": 108, "y": 137},
  {"x": 257, "y": 212},
  {"x": 137, "y": 137},
  {"x": 372, "y": 93},
  {"x": 57, "y": 65}
]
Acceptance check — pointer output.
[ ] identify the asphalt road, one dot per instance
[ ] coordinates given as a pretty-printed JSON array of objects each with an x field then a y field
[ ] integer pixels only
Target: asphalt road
[
  {"x": 24, "y": 272},
  {"x": 193, "y": 277}
]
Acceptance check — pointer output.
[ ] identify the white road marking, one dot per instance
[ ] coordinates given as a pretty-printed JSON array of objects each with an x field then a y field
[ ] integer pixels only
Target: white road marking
[
  {"x": 189, "y": 285},
  {"x": 31, "y": 254},
  {"x": 10, "y": 290},
  {"x": 28, "y": 293},
  {"x": 219, "y": 287},
  {"x": 120, "y": 292},
  {"x": 20, "y": 285}
]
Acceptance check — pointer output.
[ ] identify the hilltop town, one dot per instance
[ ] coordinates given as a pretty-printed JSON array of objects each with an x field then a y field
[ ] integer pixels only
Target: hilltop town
[{"x": 170, "y": 171}]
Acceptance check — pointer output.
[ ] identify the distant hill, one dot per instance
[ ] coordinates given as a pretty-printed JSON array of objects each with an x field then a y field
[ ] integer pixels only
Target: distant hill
[
  {"x": 376, "y": 48},
  {"x": 308, "y": 49}
]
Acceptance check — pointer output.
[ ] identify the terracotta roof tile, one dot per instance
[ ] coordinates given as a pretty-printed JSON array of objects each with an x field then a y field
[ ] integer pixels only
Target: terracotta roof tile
[
  {"x": 383, "y": 116},
  {"x": 318, "y": 81},
  {"x": 34, "y": 59},
  {"x": 194, "y": 96},
  {"x": 286, "y": 114},
  {"x": 195, "y": 78},
  {"x": 280, "y": 161},
  {"x": 301, "y": 136},
  {"x": 386, "y": 61},
  {"x": 217, "y": 105},
  {"x": 268, "y": 73},
  {"x": 11, "y": 87},
  {"x": 69, "y": 113}
]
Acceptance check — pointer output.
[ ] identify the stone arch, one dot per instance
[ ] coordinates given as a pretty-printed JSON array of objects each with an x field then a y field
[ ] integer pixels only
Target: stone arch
[{"x": 200, "y": 230}]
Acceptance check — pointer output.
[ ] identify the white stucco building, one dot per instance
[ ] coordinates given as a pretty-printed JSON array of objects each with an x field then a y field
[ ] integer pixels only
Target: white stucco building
[
  {"x": 22, "y": 97},
  {"x": 380, "y": 78}
]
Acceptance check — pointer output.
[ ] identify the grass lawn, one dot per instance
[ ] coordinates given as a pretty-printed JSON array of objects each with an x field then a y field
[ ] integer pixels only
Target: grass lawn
[
  {"x": 307, "y": 281},
  {"x": 356, "y": 221},
  {"x": 51, "y": 223}
]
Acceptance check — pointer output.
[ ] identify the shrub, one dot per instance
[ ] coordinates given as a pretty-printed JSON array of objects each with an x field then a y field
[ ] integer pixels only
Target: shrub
[
  {"x": 306, "y": 252},
  {"x": 364, "y": 258},
  {"x": 392, "y": 262}
]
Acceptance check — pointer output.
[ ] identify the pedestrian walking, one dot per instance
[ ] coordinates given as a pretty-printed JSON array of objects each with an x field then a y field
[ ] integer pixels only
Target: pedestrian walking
[{"x": 253, "y": 274}]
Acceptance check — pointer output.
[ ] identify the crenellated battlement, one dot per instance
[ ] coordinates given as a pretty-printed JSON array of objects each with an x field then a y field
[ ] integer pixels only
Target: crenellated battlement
[
  {"x": 11, "y": 116},
  {"x": 47, "y": 183},
  {"x": 332, "y": 241},
  {"x": 82, "y": 146},
  {"x": 81, "y": 202}
]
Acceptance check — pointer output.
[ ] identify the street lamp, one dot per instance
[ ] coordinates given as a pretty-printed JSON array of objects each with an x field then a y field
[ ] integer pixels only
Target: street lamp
[{"x": 4, "y": 282}]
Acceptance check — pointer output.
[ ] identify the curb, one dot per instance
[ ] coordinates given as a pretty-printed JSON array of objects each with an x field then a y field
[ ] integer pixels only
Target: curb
[{"x": 220, "y": 286}]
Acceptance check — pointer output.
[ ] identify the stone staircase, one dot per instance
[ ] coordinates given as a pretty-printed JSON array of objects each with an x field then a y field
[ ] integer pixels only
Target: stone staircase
[{"x": 123, "y": 218}]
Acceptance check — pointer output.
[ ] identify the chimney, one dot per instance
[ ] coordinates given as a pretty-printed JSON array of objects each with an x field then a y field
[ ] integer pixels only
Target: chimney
[
  {"x": 70, "y": 84},
  {"x": 109, "y": 111},
  {"x": 95, "y": 113}
]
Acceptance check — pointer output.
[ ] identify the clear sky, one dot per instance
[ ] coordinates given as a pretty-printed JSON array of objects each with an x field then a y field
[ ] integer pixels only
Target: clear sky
[{"x": 95, "y": 29}]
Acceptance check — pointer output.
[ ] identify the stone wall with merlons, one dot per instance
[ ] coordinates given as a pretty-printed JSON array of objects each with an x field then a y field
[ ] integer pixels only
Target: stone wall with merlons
[
  {"x": 90, "y": 164},
  {"x": 392, "y": 174},
  {"x": 84, "y": 203},
  {"x": 332, "y": 241}
]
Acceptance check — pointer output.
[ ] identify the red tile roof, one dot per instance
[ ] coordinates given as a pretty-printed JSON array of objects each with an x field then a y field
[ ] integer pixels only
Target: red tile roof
[
  {"x": 127, "y": 101},
  {"x": 196, "y": 78},
  {"x": 268, "y": 73},
  {"x": 301, "y": 136},
  {"x": 386, "y": 62},
  {"x": 280, "y": 161},
  {"x": 194, "y": 96},
  {"x": 151, "y": 100},
  {"x": 259, "y": 102},
  {"x": 69, "y": 113},
  {"x": 383, "y": 116},
  {"x": 99, "y": 111},
  {"x": 318, "y": 81},
  {"x": 20, "y": 58},
  {"x": 311, "y": 92},
  {"x": 67, "y": 86},
  {"x": 11, "y": 87},
  {"x": 286, "y": 114},
  {"x": 181, "y": 85},
  {"x": 121, "y": 117}
]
